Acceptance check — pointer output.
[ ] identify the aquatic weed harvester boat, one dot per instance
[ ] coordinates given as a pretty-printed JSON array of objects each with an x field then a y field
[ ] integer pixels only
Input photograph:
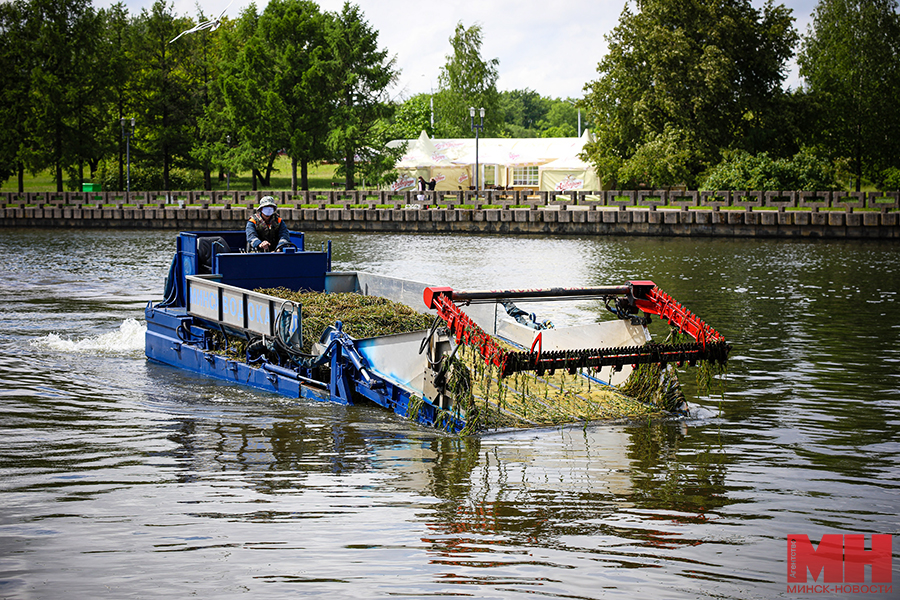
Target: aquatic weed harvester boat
[{"x": 286, "y": 323}]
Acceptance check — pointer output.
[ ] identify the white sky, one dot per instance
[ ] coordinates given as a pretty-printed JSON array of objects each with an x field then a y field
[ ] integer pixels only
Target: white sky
[{"x": 551, "y": 48}]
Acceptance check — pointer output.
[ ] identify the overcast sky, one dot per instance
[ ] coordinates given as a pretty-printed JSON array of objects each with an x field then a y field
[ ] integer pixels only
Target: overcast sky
[{"x": 551, "y": 48}]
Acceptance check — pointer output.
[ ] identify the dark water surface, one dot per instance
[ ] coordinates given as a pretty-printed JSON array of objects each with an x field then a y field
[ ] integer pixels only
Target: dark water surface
[{"x": 126, "y": 479}]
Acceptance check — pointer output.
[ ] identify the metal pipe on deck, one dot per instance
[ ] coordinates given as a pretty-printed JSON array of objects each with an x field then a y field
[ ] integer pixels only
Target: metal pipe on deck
[{"x": 539, "y": 293}]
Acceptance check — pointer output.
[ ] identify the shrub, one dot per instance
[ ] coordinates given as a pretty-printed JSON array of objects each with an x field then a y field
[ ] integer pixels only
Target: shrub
[
  {"x": 665, "y": 159},
  {"x": 890, "y": 179},
  {"x": 741, "y": 170},
  {"x": 811, "y": 172},
  {"x": 147, "y": 178}
]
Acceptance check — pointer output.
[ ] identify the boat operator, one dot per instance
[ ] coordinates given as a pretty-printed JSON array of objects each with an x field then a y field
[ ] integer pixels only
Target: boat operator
[{"x": 266, "y": 232}]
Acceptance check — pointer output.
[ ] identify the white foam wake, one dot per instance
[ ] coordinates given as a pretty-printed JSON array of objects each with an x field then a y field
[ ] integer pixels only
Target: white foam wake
[{"x": 128, "y": 337}]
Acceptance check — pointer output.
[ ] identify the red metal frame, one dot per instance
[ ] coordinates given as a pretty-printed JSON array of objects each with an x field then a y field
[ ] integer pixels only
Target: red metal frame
[
  {"x": 463, "y": 328},
  {"x": 653, "y": 300},
  {"x": 643, "y": 295}
]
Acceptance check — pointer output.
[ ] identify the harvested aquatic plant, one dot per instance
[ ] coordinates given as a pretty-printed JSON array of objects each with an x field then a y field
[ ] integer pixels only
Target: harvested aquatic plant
[
  {"x": 655, "y": 384},
  {"x": 709, "y": 371},
  {"x": 412, "y": 409},
  {"x": 526, "y": 399},
  {"x": 362, "y": 316}
]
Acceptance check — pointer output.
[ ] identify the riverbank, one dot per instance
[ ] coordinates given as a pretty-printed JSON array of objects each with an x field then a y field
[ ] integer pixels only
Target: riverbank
[{"x": 643, "y": 212}]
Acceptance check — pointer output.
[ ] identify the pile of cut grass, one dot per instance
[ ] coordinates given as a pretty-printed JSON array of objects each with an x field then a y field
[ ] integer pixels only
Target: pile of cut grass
[
  {"x": 526, "y": 399},
  {"x": 361, "y": 316}
]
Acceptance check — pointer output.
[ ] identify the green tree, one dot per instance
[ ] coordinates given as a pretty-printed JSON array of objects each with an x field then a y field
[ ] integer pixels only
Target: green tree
[
  {"x": 412, "y": 117},
  {"x": 375, "y": 161},
  {"x": 295, "y": 31},
  {"x": 562, "y": 119},
  {"x": 67, "y": 86},
  {"x": 118, "y": 65},
  {"x": 236, "y": 124},
  {"x": 166, "y": 104},
  {"x": 467, "y": 80},
  {"x": 521, "y": 111},
  {"x": 850, "y": 61},
  {"x": 15, "y": 83},
  {"x": 705, "y": 70},
  {"x": 276, "y": 89},
  {"x": 359, "y": 75},
  {"x": 213, "y": 132},
  {"x": 664, "y": 158},
  {"x": 200, "y": 65},
  {"x": 92, "y": 98}
]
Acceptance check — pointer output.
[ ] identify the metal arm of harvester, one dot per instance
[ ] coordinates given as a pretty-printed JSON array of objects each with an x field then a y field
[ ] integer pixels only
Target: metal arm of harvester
[
  {"x": 635, "y": 296},
  {"x": 653, "y": 301}
]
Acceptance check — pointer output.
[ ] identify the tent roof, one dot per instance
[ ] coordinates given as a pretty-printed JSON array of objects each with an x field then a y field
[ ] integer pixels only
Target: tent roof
[
  {"x": 567, "y": 163},
  {"x": 426, "y": 152},
  {"x": 420, "y": 152},
  {"x": 571, "y": 162}
]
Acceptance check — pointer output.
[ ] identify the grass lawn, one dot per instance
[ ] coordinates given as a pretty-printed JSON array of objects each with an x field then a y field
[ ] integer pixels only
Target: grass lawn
[{"x": 320, "y": 178}]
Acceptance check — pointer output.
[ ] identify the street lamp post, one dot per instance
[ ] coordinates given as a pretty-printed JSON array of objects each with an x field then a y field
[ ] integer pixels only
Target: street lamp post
[
  {"x": 127, "y": 135},
  {"x": 476, "y": 129},
  {"x": 228, "y": 171},
  {"x": 431, "y": 104},
  {"x": 579, "y": 116}
]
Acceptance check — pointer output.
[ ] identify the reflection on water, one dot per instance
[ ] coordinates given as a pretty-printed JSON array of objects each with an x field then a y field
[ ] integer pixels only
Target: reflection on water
[{"x": 126, "y": 478}]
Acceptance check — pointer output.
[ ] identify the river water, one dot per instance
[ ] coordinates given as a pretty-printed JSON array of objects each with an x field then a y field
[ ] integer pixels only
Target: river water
[{"x": 126, "y": 479}]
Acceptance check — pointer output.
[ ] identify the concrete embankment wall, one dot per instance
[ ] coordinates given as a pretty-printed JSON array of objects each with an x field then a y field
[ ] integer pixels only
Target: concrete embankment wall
[{"x": 642, "y": 212}]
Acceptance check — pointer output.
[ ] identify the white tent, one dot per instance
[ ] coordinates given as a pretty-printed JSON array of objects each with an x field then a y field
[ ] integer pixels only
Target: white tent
[
  {"x": 502, "y": 161},
  {"x": 569, "y": 172},
  {"x": 420, "y": 153},
  {"x": 422, "y": 159}
]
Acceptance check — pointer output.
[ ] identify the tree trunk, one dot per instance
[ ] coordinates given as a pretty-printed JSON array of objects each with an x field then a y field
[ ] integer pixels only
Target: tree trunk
[
  {"x": 21, "y": 170},
  {"x": 858, "y": 157},
  {"x": 304, "y": 175},
  {"x": 165, "y": 170},
  {"x": 293, "y": 174},
  {"x": 58, "y": 162},
  {"x": 348, "y": 168},
  {"x": 269, "y": 168}
]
